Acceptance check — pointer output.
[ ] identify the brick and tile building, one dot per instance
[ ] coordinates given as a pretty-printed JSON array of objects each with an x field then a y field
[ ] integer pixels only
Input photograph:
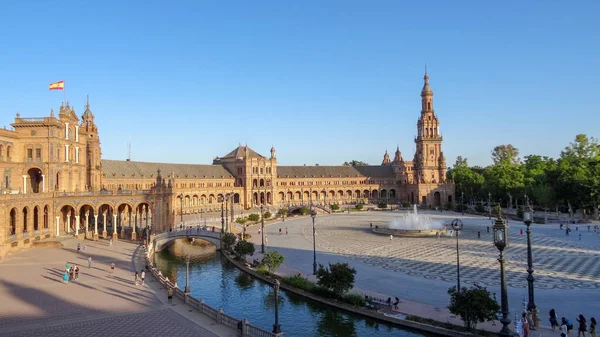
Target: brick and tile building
[{"x": 54, "y": 180}]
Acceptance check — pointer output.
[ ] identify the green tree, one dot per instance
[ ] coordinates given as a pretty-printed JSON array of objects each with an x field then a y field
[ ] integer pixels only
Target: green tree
[
  {"x": 359, "y": 206},
  {"x": 254, "y": 217},
  {"x": 468, "y": 182},
  {"x": 355, "y": 163},
  {"x": 473, "y": 305},
  {"x": 505, "y": 154},
  {"x": 334, "y": 207},
  {"x": 282, "y": 212},
  {"x": 267, "y": 215},
  {"x": 272, "y": 259},
  {"x": 243, "y": 248},
  {"x": 228, "y": 240},
  {"x": 382, "y": 204},
  {"x": 304, "y": 211},
  {"x": 339, "y": 277},
  {"x": 241, "y": 220}
]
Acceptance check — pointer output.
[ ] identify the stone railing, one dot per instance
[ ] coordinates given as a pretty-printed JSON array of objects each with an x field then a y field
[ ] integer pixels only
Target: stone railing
[{"x": 218, "y": 315}]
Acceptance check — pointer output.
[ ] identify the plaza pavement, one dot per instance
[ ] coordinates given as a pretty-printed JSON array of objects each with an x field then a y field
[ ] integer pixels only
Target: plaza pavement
[
  {"x": 420, "y": 270},
  {"x": 35, "y": 301}
]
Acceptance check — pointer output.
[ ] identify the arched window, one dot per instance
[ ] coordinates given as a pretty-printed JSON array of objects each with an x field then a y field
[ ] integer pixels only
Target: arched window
[
  {"x": 25, "y": 220},
  {"x": 13, "y": 221},
  {"x": 8, "y": 152},
  {"x": 428, "y": 105}
]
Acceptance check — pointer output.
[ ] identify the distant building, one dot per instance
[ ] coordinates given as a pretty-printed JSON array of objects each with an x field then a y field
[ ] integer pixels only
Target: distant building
[{"x": 55, "y": 182}]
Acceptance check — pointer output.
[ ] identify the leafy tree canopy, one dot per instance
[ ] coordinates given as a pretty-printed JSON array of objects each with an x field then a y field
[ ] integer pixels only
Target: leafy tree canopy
[{"x": 355, "y": 163}]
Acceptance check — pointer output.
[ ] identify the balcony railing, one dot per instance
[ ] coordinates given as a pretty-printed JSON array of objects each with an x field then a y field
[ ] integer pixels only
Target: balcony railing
[{"x": 31, "y": 120}]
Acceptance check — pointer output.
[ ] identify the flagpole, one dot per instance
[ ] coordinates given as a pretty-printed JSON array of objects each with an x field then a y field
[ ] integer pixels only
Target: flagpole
[{"x": 65, "y": 93}]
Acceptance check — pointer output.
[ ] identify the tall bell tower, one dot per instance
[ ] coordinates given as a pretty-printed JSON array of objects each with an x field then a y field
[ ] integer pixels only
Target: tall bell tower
[
  {"x": 428, "y": 141},
  {"x": 93, "y": 177}
]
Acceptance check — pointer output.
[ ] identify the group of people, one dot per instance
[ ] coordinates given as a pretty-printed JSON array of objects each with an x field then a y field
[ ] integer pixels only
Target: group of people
[
  {"x": 565, "y": 326},
  {"x": 140, "y": 277},
  {"x": 71, "y": 273}
]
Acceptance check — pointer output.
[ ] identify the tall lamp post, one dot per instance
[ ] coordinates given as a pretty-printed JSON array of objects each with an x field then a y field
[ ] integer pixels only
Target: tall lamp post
[
  {"x": 501, "y": 241},
  {"x": 262, "y": 229},
  {"x": 527, "y": 218},
  {"x": 181, "y": 196},
  {"x": 222, "y": 216},
  {"x": 490, "y": 204},
  {"x": 313, "y": 214},
  {"x": 457, "y": 225},
  {"x": 227, "y": 211},
  {"x": 276, "y": 326}
]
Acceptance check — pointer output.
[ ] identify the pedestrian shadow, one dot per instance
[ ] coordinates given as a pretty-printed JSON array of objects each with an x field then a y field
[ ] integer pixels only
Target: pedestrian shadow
[
  {"x": 120, "y": 279},
  {"x": 53, "y": 279}
]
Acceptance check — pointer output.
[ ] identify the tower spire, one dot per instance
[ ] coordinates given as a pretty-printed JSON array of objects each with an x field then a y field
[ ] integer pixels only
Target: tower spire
[{"x": 87, "y": 101}]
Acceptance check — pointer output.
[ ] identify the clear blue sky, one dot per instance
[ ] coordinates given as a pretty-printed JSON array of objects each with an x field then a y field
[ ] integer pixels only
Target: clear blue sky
[{"x": 324, "y": 81}]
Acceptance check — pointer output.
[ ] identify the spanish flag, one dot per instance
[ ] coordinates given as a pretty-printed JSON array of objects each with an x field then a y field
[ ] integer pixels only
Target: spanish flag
[{"x": 60, "y": 85}]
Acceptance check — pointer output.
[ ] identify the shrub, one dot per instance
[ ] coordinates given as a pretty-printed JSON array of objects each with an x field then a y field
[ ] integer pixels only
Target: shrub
[
  {"x": 461, "y": 207},
  {"x": 382, "y": 204},
  {"x": 406, "y": 205},
  {"x": 228, "y": 240},
  {"x": 448, "y": 206},
  {"x": 254, "y": 217},
  {"x": 359, "y": 206},
  {"x": 473, "y": 305},
  {"x": 283, "y": 212},
  {"x": 241, "y": 220},
  {"x": 272, "y": 260},
  {"x": 354, "y": 299},
  {"x": 304, "y": 211},
  {"x": 334, "y": 207},
  {"x": 267, "y": 215},
  {"x": 339, "y": 277},
  {"x": 299, "y": 282},
  {"x": 479, "y": 208}
]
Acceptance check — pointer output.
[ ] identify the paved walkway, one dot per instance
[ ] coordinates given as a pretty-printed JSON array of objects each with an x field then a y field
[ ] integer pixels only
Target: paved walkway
[
  {"x": 35, "y": 301},
  {"x": 342, "y": 236}
]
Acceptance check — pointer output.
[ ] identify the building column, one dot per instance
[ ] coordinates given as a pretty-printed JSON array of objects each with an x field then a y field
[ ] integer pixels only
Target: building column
[
  {"x": 57, "y": 226},
  {"x": 66, "y": 153},
  {"x": 77, "y": 225},
  {"x": 24, "y": 184},
  {"x": 43, "y": 183},
  {"x": 133, "y": 234},
  {"x": 77, "y": 154},
  {"x": 68, "y": 223},
  {"x": 77, "y": 133},
  {"x": 104, "y": 222},
  {"x": 95, "y": 227},
  {"x": 87, "y": 223},
  {"x": 66, "y": 130},
  {"x": 115, "y": 236}
]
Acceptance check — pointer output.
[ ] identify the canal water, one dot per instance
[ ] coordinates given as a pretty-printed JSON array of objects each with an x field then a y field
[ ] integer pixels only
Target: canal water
[{"x": 220, "y": 283}]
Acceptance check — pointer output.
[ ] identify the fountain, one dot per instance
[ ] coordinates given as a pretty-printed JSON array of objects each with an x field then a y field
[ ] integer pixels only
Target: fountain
[{"x": 411, "y": 225}]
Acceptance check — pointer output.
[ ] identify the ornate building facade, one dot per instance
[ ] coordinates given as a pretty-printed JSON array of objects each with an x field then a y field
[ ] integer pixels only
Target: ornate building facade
[{"x": 55, "y": 181}]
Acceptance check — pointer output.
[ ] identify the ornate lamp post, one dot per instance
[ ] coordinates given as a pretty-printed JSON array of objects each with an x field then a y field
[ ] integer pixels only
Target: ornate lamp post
[
  {"x": 226, "y": 210},
  {"x": 181, "y": 196},
  {"x": 262, "y": 229},
  {"x": 527, "y": 218},
  {"x": 222, "y": 216},
  {"x": 490, "y": 205},
  {"x": 187, "y": 275},
  {"x": 276, "y": 326},
  {"x": 457, "y": 225},
  {"x": 501, "y": 241},
  {"x": 313, "y": 214}
]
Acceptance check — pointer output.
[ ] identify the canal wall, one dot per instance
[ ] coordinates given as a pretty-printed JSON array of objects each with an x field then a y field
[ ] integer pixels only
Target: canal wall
[
  {"x": 217, "y": 314},
  {"x": 350, "y": 308}
]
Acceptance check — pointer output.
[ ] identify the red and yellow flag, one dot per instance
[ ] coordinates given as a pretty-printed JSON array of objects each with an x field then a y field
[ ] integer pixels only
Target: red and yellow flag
[{"x": 60, "y": 85}]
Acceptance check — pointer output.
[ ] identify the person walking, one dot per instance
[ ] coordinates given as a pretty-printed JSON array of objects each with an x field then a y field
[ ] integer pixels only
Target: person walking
[
  {"x": 84, "y": 248},
  {"x": 592, "y": 327},
  {"x": 582, "y": 326},
  {"x": 170, "y": 294},
  {"x": 143, "y": 275},
  {"x": 553, "y": 319},
  {"x": 135, "y": 280},
  {"x": 112, "y": 267},
  {"x": 72, "y": 273},
  {"x": 66, "y": 277},
  {"x": 110, "y": 243},
  {"x": 76, "y": 272},
  {"x": 78, "y": 247},
  {"x": 525, "y": 323},
  {"x": 89, "y": 262},
  {"x": 286, "y": 231}
]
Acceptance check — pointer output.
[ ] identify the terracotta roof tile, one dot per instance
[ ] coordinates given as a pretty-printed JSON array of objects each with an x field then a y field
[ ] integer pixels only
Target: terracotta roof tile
[{"x": 137, "y": 169}]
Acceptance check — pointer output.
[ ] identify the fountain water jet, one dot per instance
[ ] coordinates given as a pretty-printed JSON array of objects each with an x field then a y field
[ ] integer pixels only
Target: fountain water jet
[{"x": 411, "y": 225}]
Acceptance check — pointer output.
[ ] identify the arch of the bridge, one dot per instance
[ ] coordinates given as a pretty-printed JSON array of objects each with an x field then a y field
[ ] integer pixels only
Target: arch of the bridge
[{"x": 162, "y": 240}]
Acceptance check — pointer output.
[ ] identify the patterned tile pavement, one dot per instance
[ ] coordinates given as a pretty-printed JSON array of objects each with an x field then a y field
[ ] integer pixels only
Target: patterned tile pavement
[
  {"x": 35, "y": 301},
  {"x": 560, "y": 262}
]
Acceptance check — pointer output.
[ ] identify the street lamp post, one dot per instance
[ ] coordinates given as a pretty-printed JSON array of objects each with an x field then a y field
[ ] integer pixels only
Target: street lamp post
[
  {"x": 276, "y": 326},
  {"x": 187, "y": 276},
  {"x": 313, "y": 214},
  {"x": 227, "y": 211},
  {"x": 457, "y": 225},
  {"x": 501, "y": 241},
  {"x": 490, "y": 205},
  {"x": 527, "y": 218},
  {"x": 181, "y": 196},
  {"x": 222, "y": 216},
  {"x": 262, "y": 229}
]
